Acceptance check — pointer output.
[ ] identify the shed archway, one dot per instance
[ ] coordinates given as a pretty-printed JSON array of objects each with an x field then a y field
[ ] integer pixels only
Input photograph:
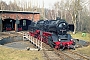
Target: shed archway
[
  {"x": 8, "y": 24},
  {"x": 25, "y": 23}
]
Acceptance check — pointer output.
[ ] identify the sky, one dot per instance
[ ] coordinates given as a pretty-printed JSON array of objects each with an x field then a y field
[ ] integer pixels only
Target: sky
[{"x": 47, "y": 3}]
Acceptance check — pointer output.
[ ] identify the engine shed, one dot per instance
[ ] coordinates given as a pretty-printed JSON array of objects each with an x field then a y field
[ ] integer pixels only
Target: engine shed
[{"x": 16, "y": 19}]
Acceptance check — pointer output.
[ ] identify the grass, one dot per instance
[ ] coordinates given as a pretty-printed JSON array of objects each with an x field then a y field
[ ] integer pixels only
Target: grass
[
  {"x": 84, "y": 50},
  {"x": 79, "y": 36},
  {"x": 14, "y": 54}
]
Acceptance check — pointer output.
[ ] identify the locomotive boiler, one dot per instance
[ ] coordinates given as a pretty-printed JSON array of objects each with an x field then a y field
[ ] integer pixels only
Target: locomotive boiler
[{"x": 54, "y": 33}]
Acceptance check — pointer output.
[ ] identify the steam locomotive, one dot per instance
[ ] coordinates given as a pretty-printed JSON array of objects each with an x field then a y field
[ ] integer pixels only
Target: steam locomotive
[{"x": 53, "y": 32}]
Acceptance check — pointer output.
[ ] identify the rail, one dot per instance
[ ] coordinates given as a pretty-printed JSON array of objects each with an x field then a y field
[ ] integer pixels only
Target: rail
[{"x": 79, "y": 55}]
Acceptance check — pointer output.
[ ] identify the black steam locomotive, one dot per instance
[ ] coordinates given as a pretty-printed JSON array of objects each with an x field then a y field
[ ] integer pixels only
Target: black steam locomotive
[{"x": 54, "y": 33}]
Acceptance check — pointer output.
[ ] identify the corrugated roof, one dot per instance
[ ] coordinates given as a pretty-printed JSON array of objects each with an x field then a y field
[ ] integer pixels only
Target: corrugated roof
[{"x": 22, "y": 12}]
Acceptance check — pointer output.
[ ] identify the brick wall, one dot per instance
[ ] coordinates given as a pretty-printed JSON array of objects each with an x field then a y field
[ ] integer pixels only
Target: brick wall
[{"x": 21, "y": 16}]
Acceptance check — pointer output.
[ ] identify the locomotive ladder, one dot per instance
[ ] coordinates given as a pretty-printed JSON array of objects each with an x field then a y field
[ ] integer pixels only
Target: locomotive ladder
[{"x": 35, "y": 41}]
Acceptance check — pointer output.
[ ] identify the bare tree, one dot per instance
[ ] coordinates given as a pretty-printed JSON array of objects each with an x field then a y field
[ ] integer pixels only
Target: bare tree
[
  {"x": 29, "y": 6},
  {"x": 74, "y": 11},
  {"x": 3, "y": 5}
]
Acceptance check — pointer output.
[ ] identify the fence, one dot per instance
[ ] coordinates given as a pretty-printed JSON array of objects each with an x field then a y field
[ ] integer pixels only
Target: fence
[{"x": 35, "y": 41}]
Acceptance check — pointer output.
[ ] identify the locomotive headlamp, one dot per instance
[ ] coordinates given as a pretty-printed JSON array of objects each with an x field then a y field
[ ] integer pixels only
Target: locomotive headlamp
[
  {"x": 71, "y": 39},
  {"x": 59, "y": 39}
]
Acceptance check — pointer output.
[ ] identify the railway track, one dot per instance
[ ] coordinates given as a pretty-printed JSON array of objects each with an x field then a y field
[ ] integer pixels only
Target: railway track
[
  {"x": 75, "y": 55},
  {"x": 50, "y": 54},
  {"x": 53, "y": 54},
  {"x": 63, "y": 55}
]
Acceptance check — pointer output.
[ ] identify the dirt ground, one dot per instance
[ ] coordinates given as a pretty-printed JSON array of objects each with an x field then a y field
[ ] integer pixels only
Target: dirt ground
[{"x": 7, "y": 53}]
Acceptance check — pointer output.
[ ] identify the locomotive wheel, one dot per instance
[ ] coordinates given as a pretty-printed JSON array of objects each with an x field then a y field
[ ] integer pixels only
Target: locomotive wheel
[
  {"x": 63, "y": 48},
  {"x": 51, "y": 45},
  {"x": 73, "y": 47},
  {"x": 74, "y": 43},
  {"x": 50, "y": 42}
]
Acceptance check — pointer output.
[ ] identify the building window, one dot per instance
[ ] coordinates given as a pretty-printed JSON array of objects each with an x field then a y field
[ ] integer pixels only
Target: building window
[{"x": 24, "y": 22}]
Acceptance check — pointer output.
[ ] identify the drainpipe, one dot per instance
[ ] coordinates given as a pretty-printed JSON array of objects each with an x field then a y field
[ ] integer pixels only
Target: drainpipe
[{"x": 16, "y": 26}]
